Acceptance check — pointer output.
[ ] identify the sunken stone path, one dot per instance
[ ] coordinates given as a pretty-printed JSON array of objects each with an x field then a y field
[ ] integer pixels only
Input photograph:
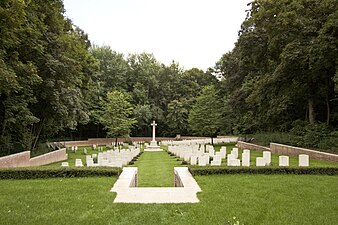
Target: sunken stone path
[{"x": 184, "y": 189}]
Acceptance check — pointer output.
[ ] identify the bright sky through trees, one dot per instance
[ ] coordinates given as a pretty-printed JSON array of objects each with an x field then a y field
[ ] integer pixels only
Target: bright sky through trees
[{"x": 194, "y": 33}]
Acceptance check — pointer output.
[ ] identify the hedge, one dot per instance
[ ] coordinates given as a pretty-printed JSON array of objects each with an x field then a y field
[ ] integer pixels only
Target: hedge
[
  {"x": 36, "y": 173},
  {"x": 296, "y": 170}
]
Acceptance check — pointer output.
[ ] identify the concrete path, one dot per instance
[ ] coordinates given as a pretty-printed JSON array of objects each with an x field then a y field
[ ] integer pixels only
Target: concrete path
[{"x": 127, "y": 192}]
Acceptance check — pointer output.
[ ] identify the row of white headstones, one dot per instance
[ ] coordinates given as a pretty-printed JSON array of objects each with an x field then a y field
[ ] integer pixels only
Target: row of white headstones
[
  {"x": 110, "y": 158},
  {"x": 200, "y": 155}
]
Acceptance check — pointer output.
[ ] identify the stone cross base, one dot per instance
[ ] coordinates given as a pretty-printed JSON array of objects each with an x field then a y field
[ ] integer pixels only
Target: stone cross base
[{"x": 153, "y": 147}]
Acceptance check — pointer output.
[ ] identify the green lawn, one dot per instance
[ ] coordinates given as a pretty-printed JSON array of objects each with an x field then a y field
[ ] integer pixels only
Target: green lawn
[
  {"x": 156, "y": 169},
  {"x": 252, "y": 199}
]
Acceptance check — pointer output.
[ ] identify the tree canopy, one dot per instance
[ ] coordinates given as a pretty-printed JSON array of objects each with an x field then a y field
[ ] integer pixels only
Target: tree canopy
[{"x": 281, "y": 76}]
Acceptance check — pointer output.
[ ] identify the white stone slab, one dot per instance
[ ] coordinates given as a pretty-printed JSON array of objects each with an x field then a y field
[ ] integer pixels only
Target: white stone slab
[
  {"x": 230, "y": 157},
  {"x": 148, "y": 149},
  {"x": 260, "y": 161},
  {"x": 193, "y": 160},
  {"x": 216, "y": 162},
  {"x": 267, "y": 157},
  {"x": 234, "y": 162},
  {"x": 304, "y": 160},
  {"x": 283, "y": 160},
  {"x": 78, "y": 163},
  {"x": 202, "y": 161},
  {"x": 128, "y": 194},
  {"x": 64, "y": 164},
  {"x": 235, "y": 152},
  {"x": 246, "y": 158},
  {"x": 223, "y": 152}
]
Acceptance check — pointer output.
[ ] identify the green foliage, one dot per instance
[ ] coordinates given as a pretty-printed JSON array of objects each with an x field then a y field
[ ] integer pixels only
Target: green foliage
[
  {"x": 205, "y": 115},
  {"x": 116, "y": 114},
  {"x": 44, "y": 64},
  {"x": 282, "y": 68},
  {"x": 177, "y": 117},
  {"x": 302, "y": 135},
  {"x": 268, "y": 171},
  {"x": 43, "y": 173}
]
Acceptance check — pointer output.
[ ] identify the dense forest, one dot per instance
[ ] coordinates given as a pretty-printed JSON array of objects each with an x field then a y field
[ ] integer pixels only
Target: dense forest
[{"x": 281, "y": 76}]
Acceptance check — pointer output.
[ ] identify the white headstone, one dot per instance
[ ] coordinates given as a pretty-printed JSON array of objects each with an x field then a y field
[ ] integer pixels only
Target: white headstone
[
  {"x": 202, "y": 161},
  {"x": 283, "y": 160},
  {"x": 223, "y": 152},
  {"x": 64, "y": 164},
  {"x": 193, "y": 160},
  {"x": 216, "y": 163},
  {"x": 235, "y": 152},
  {"x": 234, "y": 162},
  {"x": 246, "y": 158},
  {"x": 230, "y": 157},
  {"x": 267, "y": 157},
  {"x": 260, "y": 161},
  {"x": 78, "y": 163},
  {"x": 303, "y": 160}
]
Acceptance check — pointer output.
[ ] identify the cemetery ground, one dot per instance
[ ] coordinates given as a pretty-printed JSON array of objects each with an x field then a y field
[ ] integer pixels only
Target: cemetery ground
[{"x": 247, "y": 198}]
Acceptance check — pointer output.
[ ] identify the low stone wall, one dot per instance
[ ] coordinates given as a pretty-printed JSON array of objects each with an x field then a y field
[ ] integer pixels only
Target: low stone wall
[
  {"x": 290, "y": 150},
  {"x": 15, "y": 160},
  {"x": 245, "y": 145},
  {"x": 23, "y": 159},
  {"x": 55, "y": 156}
]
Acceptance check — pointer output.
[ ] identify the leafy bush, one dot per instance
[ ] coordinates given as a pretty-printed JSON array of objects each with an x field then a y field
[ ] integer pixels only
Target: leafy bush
[
  {"x": 184, "y": 162},
  {"x": 298, "y": 171},
  {"x": 35, "y": 173}
]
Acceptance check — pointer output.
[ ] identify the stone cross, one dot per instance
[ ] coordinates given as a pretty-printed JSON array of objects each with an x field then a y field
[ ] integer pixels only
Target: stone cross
[{"x": 154, "y": 125}]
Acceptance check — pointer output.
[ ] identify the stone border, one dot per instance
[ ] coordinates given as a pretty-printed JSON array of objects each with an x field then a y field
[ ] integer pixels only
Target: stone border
[
  {"x": 290, "y": 150},
  {"x": 127, "y": 192},
  {"x": 23, "y": 159}
]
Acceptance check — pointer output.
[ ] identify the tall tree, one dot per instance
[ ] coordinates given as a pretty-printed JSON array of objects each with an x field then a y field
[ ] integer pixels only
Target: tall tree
[
  {"x": 205, "y": 116},
  {"x": 117, "y": 114},
  {"x": 46, "y": 63}
]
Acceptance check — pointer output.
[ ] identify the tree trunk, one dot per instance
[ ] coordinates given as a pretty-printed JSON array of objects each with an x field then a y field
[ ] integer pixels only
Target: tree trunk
[
  {"x": 116, "y": 142},
  {"x": 311, "y": 112},
  {"x": 327, "y": 111},
  {"x": 212, "y": 140},
  {"x": 38, "y": 134}
]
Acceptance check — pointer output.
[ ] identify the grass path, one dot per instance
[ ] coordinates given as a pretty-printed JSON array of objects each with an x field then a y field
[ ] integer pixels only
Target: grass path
[{"x": 156, "y": 169}]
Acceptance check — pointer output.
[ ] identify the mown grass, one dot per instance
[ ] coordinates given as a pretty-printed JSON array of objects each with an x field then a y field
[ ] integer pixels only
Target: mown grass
[
  {"x": 252, "y": 199},
  {"x": 156, "y": 169}
]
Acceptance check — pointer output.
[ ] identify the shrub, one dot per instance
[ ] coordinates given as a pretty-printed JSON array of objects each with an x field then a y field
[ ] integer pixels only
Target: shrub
[
  {"x": 298, "y": 171},
  {"x": 184, "y": 162},
  {"x": 35, "y": 173}
]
